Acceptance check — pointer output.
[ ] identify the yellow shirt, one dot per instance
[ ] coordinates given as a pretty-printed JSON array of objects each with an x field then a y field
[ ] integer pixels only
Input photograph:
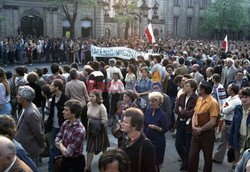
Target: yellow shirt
[{"x": 208, "y": 105}]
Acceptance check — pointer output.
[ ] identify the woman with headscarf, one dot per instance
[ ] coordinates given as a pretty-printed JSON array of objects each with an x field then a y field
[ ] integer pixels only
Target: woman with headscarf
[{"x": 5, "y": 107}]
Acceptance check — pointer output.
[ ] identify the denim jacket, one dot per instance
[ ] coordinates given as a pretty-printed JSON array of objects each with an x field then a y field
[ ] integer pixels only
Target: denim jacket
[{"x": 233, "y": 138}]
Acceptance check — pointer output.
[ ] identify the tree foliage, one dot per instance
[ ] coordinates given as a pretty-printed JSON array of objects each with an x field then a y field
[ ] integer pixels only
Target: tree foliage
[
  {"x": 70, "y": 9},
  {"x": 3, "y": 18},
  {"x": 225, "y": 16},
  {"x": 126, "y": 14}
]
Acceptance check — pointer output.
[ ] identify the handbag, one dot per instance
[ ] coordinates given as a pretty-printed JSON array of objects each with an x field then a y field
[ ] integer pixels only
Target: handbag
[
  {"x": 230, "y": 155},
  {"x": 116, "y": 131},
  {"x": 95, "y": 127},
  {"x": 57, "y": 163}
]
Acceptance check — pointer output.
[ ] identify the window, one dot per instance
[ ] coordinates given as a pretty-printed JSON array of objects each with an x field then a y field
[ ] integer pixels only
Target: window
[
  {"x": 176, "y": 25},
  {"x": 202, "y": 4},
  {"x": 190, "y": 3},
  {"x": 189, "y": 26},
  {"x": 176, "y": 2}
]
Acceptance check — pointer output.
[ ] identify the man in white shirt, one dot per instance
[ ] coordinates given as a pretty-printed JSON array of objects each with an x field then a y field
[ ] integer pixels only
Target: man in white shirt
[
  {"x": 112, "y": 69},
  {"x": 227, "y": 111}
]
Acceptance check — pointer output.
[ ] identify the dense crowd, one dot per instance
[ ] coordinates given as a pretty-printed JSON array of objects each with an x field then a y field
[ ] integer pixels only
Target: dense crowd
[{"x": 191, "y": 87}]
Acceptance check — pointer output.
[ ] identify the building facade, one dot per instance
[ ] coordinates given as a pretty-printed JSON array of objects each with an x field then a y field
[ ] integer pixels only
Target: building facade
[{"x": 169, "y": 18}]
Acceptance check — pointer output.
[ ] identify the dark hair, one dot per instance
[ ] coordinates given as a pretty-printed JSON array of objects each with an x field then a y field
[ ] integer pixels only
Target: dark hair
[
  {"x": 45, "y": 89},
  {"x": 88, "y": 70},
  {"x": 39, "y": 72},
  {"x": 165, "y": 62},
  {"x": 206, "y": 86},
  {"x": 113, "y": 155},
  {"x": 58, "y": 83},
  {"x": 96, "y": 92},
  {"x": 130, "y": 94},
  {"x": 235, "y": 88},
  {"x": 96, "y": 65},
  {"x": 19, "y": 70},
  {"x": 178, "y": 79},
  {"x": 158, "y": 58},
  {"x": 147, "y": 62},
  {"x": 211, "y": 70},
  {"x": 132, "y": 68},
  {"x": 7, "y": 126},
  {"x": 73, "y": 73},
  {"x": 116, "y": 73},
  {"x": 25, "y": 68},
  {"x": 188, "y": 76},
  {"x": 125, "y": 62},
  {"x": 75, "y": 107},
  {"x": 245, "y": 92},
  {"x": 66, "y": 68},
  {"x": 216, "y": 77},
  {"x": 170, "y": 66},
  {"x": 74, "y": 65},
  {"x": 192, "y": 83},
  {"x": 45, "y": 70},
  {"x": 8, "y": 74},
  {"x": 181, "y": 60},
  {"x": 54, "y": 68},
  {"x": 136, "y": 117},
  {"x": 239, "y": 71}
]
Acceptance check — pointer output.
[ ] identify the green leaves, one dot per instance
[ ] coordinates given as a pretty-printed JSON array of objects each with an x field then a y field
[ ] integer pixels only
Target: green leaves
[{"x": 225, "y": 16}]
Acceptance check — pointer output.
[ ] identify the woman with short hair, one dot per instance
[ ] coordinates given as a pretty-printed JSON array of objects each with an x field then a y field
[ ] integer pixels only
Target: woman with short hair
[{"x": 156, "y": 125}]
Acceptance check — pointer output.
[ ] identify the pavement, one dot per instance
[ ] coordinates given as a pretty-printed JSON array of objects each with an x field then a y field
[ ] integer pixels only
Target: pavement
[{"x": 170, "y": 164}]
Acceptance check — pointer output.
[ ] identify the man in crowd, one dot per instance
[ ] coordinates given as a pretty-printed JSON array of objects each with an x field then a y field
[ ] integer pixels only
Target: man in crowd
[
  {"x": 203, "y": 123},
  {"x": 55, "y": 74},
  {"x": 8, "y": 160},
  {"x": 196, "y": 74},
  {"x": 182, "y": 69},
  {"x": 184, "y": 108},
  {"x": 227, "y": 111},
  {"x": 240, "y": 122},
  {"x": 96, "y": 78},
  {"x": 55, "y": 119},
  {"x": 136, "y": 140},
  {"x": 70, "y": 139},
  {"x": 113, "y": 69},
  {"x": 228, "y": 73},
  {"x": 8, "y": 129},
  {"x": 209, "y": 75},
  {"x": 30, "y": 128},
  {"x": 240, "y": 81}
]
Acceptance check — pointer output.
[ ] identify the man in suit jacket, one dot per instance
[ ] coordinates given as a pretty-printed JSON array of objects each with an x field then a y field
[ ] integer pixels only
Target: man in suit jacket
[
  {"x": 30, "y": 128},
  {"x": 228, "y": 73},
  {"x": 8, "y": 160},
  {"x": 196, "y": 74}
]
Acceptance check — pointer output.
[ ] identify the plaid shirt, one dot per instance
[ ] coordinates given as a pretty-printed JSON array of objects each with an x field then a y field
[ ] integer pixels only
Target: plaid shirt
[
  {"x": 52, "y": 77},
  {"x": 72, "y": 137}
]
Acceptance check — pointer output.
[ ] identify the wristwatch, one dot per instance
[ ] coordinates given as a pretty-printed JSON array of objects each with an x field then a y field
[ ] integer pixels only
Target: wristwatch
[{"x": 199, "y": 129}]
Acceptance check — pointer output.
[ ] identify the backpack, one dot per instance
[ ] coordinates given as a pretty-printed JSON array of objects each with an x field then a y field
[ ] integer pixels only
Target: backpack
[{"x": 156, "y": 76}]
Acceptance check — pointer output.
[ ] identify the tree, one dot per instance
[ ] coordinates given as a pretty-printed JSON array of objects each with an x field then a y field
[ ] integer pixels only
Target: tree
[
  {"x": 225, "y": 17},
  {"x": 71, "y": 8},
  {"x": 126, "y": 10}
]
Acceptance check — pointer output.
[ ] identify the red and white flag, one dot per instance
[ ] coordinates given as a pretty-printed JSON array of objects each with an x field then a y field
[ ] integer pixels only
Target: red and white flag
[
  {"x": 225, "y": 44},
  {"x": 150, "y": 34}
]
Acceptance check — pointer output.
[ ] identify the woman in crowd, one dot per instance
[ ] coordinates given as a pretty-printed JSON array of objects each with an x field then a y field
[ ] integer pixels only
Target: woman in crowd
[
  {"x": 130, "y": 78},
  {"x": 47, "y": 94},
  {"x": 129, "y": 98},
  {"x": 143, "y": 86},
  {"x": 116, "y": 91},
  {"x": 156, "y": 125},
  {"x": 96, "y": 111},
  {"x": 5, "y": 107}
]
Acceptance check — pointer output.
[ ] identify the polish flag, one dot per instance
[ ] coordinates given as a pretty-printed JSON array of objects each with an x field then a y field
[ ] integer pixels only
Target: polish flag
[
  {"x": 225, "y": 44},
  {"x": 150, "y": 34}
]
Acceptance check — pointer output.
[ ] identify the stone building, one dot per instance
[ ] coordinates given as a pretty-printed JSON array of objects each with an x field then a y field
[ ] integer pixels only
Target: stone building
[{"x": 169, "y": 18}]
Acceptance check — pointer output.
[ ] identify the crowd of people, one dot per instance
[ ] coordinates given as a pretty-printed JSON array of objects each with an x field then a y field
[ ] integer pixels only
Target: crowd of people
[{"x": 192, "y": 88}]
